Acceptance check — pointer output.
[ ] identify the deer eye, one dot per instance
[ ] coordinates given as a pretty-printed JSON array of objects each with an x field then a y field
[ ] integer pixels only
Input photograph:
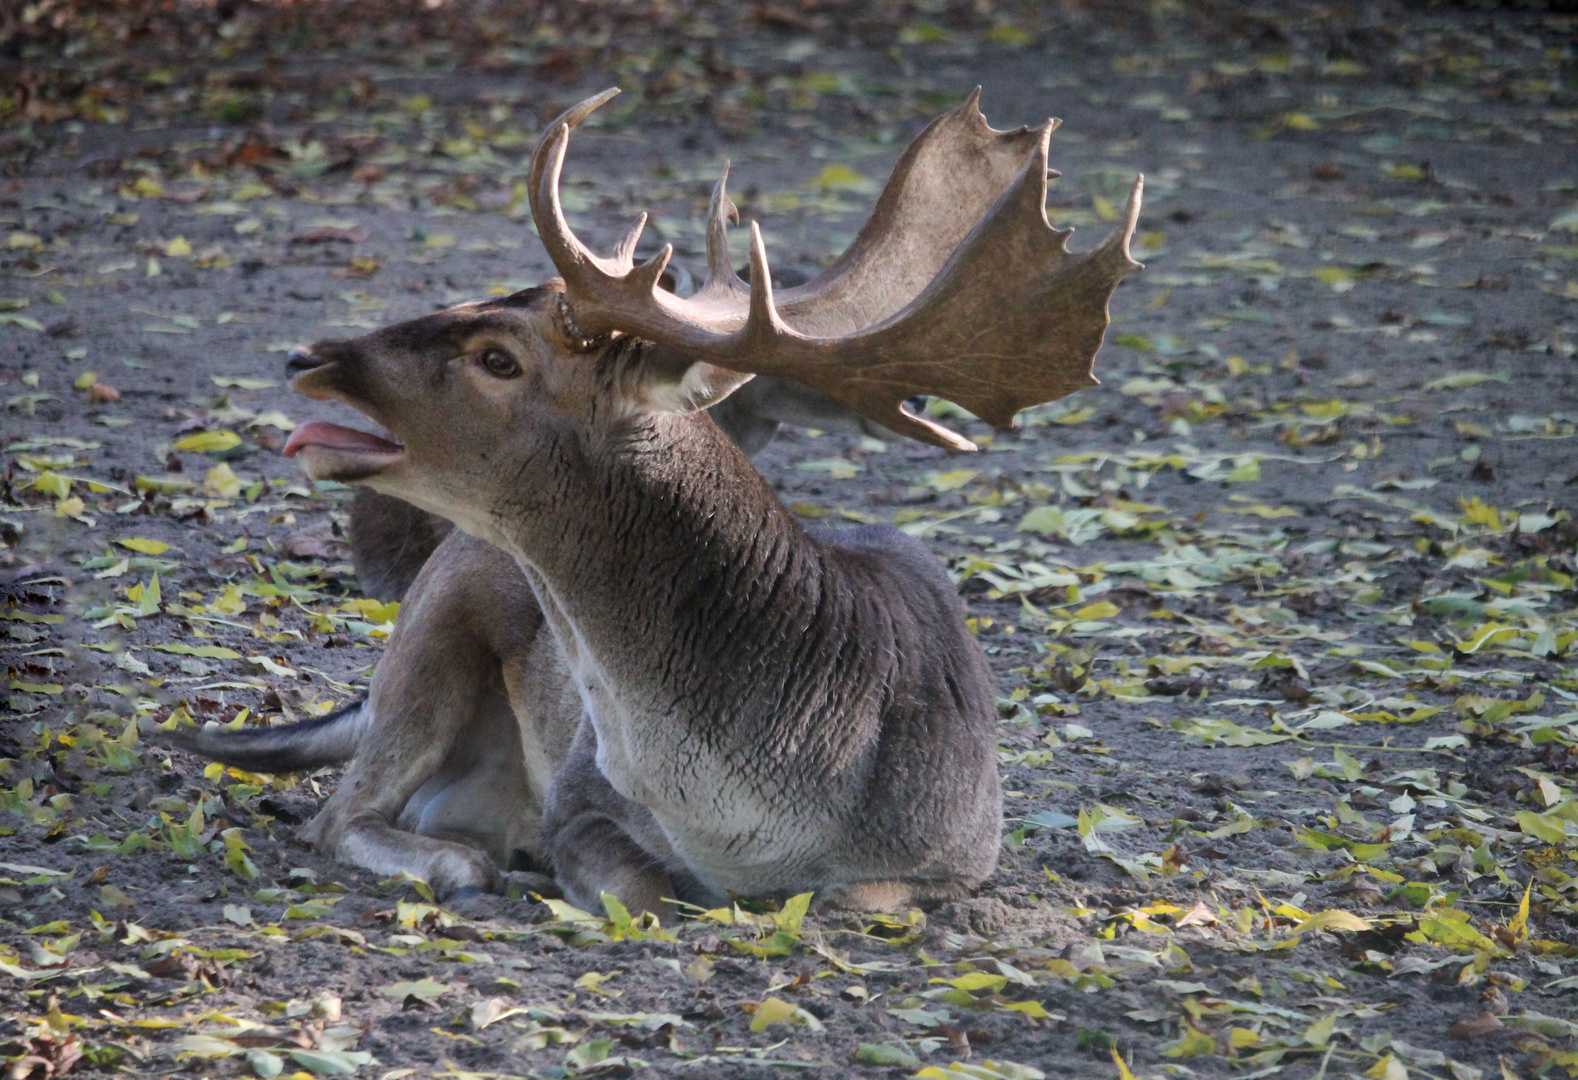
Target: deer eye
[{"x": 499, "y": 364}]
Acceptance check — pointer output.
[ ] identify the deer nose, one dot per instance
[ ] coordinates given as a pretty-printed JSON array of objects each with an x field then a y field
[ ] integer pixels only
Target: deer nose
[{"x": 302, "y": 359}]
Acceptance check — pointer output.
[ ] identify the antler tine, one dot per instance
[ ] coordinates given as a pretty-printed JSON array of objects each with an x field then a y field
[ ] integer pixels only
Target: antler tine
[
  {"x": 721, "y": 281},
  {"x": 763, "y": 324},
  {"x": 574, "y": 260},
  {"x": 1116, "y": 246},
  {"x": 625, "y": 251}
]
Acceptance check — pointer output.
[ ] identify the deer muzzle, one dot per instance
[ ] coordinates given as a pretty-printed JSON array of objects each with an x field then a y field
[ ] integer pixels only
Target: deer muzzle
[{"x": 332, "y": 451}]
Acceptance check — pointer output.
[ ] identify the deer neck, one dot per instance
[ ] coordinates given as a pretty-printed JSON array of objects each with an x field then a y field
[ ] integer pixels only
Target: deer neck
[
  {"x": 698, "y": 623},
  {"x": 672, "y": 576}
]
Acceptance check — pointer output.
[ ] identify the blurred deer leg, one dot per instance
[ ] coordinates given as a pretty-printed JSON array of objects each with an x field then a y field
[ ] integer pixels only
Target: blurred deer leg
[
  {"x": 356, "y": 824},
  {"x": 440, "y": 788}
]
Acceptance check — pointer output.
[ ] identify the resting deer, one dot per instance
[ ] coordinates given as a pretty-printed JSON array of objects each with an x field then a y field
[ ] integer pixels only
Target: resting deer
[{"x": 709, "y": 698}]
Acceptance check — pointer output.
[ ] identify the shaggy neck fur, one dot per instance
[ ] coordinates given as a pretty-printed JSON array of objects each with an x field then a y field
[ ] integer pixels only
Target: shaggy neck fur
[{"x": 678, "y": 579}]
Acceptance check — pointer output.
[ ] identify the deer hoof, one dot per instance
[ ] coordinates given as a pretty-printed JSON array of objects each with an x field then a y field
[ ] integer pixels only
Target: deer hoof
[{"x": 463, "y": 872}]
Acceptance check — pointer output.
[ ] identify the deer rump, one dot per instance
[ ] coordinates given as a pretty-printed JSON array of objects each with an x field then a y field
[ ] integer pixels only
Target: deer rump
[{"x": 631, "y": 666}]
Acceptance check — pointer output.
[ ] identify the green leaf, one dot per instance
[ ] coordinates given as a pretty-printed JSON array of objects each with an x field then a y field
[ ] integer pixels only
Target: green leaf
[
  {"x": 148, "y": 597},
  {"x": 1454, "y": 935},
  {"x": 1351, "y": 769},
  {"x": 1319, "y": 1033},
  {"x": 885, "y": 1054},
  {"x": 242, "y": 382},
  {"x": 792, "y": 914},
  {"x": 1228, "y": 733},
  {"x": 331, "y": 1062},
  {"x": 265, "y": 1064},
  {"x": 421, "y": 989},
  {"x": 1244, "y": 472},
  {"x": 618, "y": 914},
  {"x": 588, "y": 1054},
  {"x": 1545, "y": 827},
  {"x": 208, "y": 652},
  {"x": 1464, "y": 379},
  {"x": 208, "y": 1046},
  {"x": 236, "y": 859}
]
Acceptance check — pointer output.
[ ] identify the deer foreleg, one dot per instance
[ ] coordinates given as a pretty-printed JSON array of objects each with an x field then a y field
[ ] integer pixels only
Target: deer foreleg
[{"x": 601, "y": 842}]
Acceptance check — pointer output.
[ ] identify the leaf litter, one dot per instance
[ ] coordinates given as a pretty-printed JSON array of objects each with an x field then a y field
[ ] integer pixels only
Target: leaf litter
[{"x": 1284, "y": 619}]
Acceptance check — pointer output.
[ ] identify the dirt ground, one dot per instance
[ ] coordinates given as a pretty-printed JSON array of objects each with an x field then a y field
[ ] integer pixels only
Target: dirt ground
[{"x": 1284, "y": 613}]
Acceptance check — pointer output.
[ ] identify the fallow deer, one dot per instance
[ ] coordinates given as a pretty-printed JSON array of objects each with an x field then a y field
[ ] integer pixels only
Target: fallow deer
[{"x": 710, "y": 698}]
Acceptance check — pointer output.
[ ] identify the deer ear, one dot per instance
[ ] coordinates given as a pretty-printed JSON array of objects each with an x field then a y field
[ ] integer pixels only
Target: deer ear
[{"x": 673, "y": 382}]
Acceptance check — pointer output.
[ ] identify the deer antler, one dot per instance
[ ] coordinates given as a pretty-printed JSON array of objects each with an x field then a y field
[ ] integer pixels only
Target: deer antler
[{"x": 958, "y": 286}]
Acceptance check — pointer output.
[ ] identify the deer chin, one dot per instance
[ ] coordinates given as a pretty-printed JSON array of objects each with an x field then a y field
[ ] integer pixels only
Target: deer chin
[{"x": 346, "y": 455}]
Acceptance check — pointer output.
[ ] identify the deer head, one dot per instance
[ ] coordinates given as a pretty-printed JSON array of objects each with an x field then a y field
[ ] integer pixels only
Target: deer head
[{"x": 956, "y": 287}]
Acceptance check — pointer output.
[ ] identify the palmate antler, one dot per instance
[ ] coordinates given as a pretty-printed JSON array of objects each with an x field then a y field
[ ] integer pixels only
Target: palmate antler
[{"x": 957, "y": 287}]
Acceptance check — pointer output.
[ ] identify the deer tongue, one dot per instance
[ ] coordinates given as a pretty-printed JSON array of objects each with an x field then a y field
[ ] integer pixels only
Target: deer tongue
[{"x": 335, "y": 437}]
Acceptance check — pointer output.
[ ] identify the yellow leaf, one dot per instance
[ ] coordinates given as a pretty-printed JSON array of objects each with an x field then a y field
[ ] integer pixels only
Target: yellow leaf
[
  {"x": 1033, "y": 1009},
  {"x": 1476, "y": 512},
  {"x": 1388, "y": 1068},
  {"x": 229, "y": 602},
  {"x": 951, "y": 481},
  {"x": 1264, "y": 511},
  {"x": 1519, "y": 926},
  {"x": 1192, "y": 1042},
  {"x": 594, "y": 980},
  {"x": 1124, "y": 1072},
  {"x": 209, "y": 442},
  {"x": 773, "y": 1011},
  {"x": 147, "y": 547},
  {"x": 52, "y": 483},
  {"x": 85, "y": 380},
  {"x": 1102, "y": 609},
  {"x": 839, "y": 178},
  {"x": 1407, "y": 171},
  {"x": 146, "y": 597},
  {"x": 1106, "y": 209},
  {"x": 178, "y": 246},
  {"x": 978, "y": 980},
  {"x": 376, "y": 611},
  {"x": 1464, "y": 379},
  {"x": 1333, "y": 919},
  {"x": 222, "y": 482}
]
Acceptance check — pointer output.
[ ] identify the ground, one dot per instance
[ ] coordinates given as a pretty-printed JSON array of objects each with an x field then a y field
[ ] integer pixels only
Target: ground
[{"x": 1283, "y": 613}]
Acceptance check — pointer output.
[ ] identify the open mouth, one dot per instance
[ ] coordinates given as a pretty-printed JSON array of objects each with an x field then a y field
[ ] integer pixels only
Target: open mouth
[{"x": 333, "y": 452}]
